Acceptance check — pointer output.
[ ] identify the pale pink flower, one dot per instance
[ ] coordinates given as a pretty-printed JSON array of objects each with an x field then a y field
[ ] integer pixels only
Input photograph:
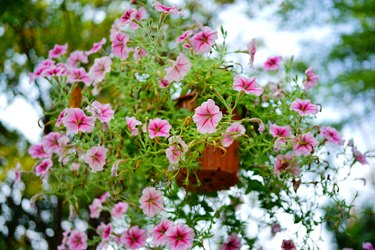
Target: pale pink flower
[
  {"x": 203, "y": 41},
  {"x": 288, "y": 245},
  {"x": 58, "y": 51},
  {"x": 275, "y": 228},
  {"x": 96, "y": 47},
  {"x": 187, "y": 46},
  {"x": 107, "y": 232},
  {"x": 179, "y": 237},
  {"x": 158, "y": 128},
  {"x": 59, "y": 69},
  {"x": 50, "y": 142},
  {"x": 95, "y": 208},
  {"x": 64, "y": 150},
  {"x": 169, "y": 10},
  {"x": 311, "y": 79},
  {"x": 128, "y": 16},
  {"x": 279, "y": 131},
  {"x": 60, "y": 117},
  {"x": 358, "y": 156},
  {"x": 232, "y": 243},
  {"x": 96, "y": 157},
  {"x": 103, "y": 112},
  {"x": 248, "y": 85},
  {"x": 286, "y": 163},
  {"x": 119, "y": 45},
  {"x": 43, "y": 167},
  {"x": 251, "y": 47},
  {"x": 235, "y": 130},
  {"x": 17, "y": 173},
  {"x": 75, "y": 120},
  {"x": 304, "y": 144},
  {"x": 77, "y": 240},
  {"x": 151, "y": 201},
  {"x": 104, "y": 197},
  {"x": 38, "y": 151},
  {"x": 304, "y": 107},
  {"x": 184, "y": 36},
  {"x": 140, "y": 15},
  {"x": 367, "y": 246},
  {"x": 331, "y": 135},
  {"x": 76, "y": 57},
  {"x": 100, "y": 68},
  {"x": 164, "y": 83},
  {"x": 75, "y": 166},
  {"x": 179, "y": 69},
  {"x": 132, "y": 123},
  {"x": 134, "y": 238},
  {"x": 139, "y": 53},
  {"x": 272, "y": 63},
  {"x": 116, "y": 27},
  {"x": 119, "y": 208},
  {"x": 176, "y": 150},
  {"x": 207, "y": 117},
  {"x": 64, "y": 242},
  {"x": 158, "y": 233},
  {"x": 40, "y": 70},
  {"x": 78, "y": 75}
]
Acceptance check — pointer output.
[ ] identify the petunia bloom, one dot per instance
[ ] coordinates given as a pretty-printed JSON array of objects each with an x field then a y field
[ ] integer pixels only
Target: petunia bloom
[
  {"x": 158, "y": 233},
  {"x": 272, "y": 63},
  {"x": 75, "y": 120},
  {"x": 134, "y": 238},
  {"x": 139, "y": 15},
  {"x": 184, "y": 36},
  {"x": 77, "y": 240},
  {"x": 179, "y": 237},
  {"x": 177, "y": 150},
  {"x": 203, "y": 41},
  {"x": 78, "y": 75},
  {"x": 42, "y": 168},
  {"x": 76, "y": 57},
  {"x": 119, "y": 45},
  {"x": 358, "y": 156},
  {"x": 158, "y": 128},
  {"x": 331, "y": 135},
  {"x": 235, "y": 130},
  {"x": 252, "y": 49},
  {"x": 96, "y": 47},
  {"x": 151, "y": 201},
  {"x": 207, "y": 117},
  {"x": 51, "y": 142},
  {"x": 304, "y": 107},
  {"x": 288, "y": 245},
  {"x": 248, "y": 85},
  {"x": 38, "y": 151},
  {"x": 304, "y": 144},
  {"x": 139, "y": 53},
  {"x": 96, "y": 157},
  {"x": 311, "y": 79},
  {"x": 164, "y": 83},
  {"x": 128, "y": 16},
  {"x": 57, "y": 51},
  {"x": 95, "y": 208},
  {"x": 180, "y": 68},
  {"x": 367, "y": 246},
  {"x": 132, "y": 123},
  {"x": 286, "y": 163},
  {"x": 279, "y": 131},
  {"x": 119, "y": 208},
  {"x": 103, "y": 112},
  {"x": 232, "y": 243},
  {"x": 162, "y": 8},
  {"x": 98, "y": 71}
]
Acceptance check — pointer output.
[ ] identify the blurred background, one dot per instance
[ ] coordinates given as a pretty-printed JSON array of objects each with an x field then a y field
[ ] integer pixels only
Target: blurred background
[{"x": 336, "y": 37}]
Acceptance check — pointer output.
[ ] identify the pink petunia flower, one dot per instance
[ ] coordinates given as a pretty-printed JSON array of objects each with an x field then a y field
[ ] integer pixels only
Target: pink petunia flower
[
  {"x": 358, "y": 156},
  {"x": 164, "y": 83},
  {"x": 58, "y": 51},
  {"x": 272, "y": 63},
  {"x": 76, "y": 57},
  {"x": 304, "y": 144},
  {"x": 158, "y": 128},
  {"x": 38, "y": 151},
  {"x": 140, "y": 15},
  {"x": 203, "y": 41},
  {"x": 119, "y": 45},
  {"x": 41, "y": 69},
  {"x": 103, "y": 112},
  {"x": 248, "y": 85},
  {"x": 78, "y": 75},
  {"x": 77, "y": 240},
  {"x": 128, "y": 16},
  {"x": 232, "y": 243},
  {"x": 96, "y": 47},
  {"x": 59, "y": 69},
  {"x": 169, "y": 10},
  {"x": 151, "y": 201},
  {"x": 288, "y": 245},
  {"x": 96, "y": 157},
  {"x": 61, "y": 117},
  {"x": 42, "y": 168},
  {"x": 50, "y": 142},
  {"x": 279, "y": 131},
  {"x": 179, "y": 237},
  {"x": 286, "y": 163},
  {"x": 139, "y": 53},
  {"x": 132, "y": 125},
  {"x": 107, "y": 232},
  {"x": 104, "y": 197},
  {"x": 99, "y": 69},
  {"x": 304, "y": 107},
  {"x": 119, "y": 208},
  {"x": 367, "y": 246},
  {"x": 311, "y": 79},
  {"x": 251, "y": 47},
  {"x": 179, "y": 69},
  {"x": 207, "y": 117},
  {"x": 134, "y": 238},
  {"x": 177, "y": 150},
  {"x": 95, "y": 208},
  {"x": 75, "y": 120},
  {"x": 235, "y": 130},
  {"x": 158, "y": 233},
  {"x": 331, "y": 135},
  {"x": 184, "y": 36}
]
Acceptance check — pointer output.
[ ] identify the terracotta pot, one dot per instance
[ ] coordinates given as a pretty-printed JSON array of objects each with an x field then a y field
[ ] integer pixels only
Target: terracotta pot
[
  {"x": 75, "y": 97},
  {"x": 219, "y": 168}
]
